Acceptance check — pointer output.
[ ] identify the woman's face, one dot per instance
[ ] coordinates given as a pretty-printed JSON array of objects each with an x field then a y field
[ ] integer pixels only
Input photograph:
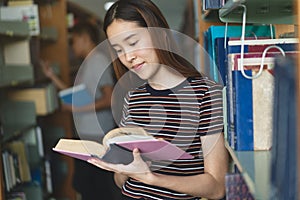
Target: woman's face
[
  {"x": 78, "y": 45},
  {"x": 134, "y": 48}
]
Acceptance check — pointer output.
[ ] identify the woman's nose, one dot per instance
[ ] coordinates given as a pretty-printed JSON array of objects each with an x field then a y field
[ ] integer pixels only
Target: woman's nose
[{"x": 130, "y": 56}]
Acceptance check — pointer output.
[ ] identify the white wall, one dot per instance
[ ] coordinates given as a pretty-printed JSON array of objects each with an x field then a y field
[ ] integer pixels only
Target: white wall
[{"x": 172, "y": 9}]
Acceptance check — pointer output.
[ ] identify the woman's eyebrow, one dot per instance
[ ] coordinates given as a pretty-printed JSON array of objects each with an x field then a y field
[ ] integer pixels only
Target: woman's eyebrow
[
  {"x": 125, "y": 39},
  {"x": 129, "y": 36}
]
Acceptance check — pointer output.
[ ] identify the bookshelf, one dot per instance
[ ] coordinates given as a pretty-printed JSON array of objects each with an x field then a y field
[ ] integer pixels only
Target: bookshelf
[
  {"x": 54, "y": 47},
  {"x": 255, "y": 166},
  {"x": 13, "y": 74},
  {"x": 19, "y": 117},
  {"x": 16, "y": 117}
]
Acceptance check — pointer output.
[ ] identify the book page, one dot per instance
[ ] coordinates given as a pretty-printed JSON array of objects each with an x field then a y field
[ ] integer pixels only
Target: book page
[
  {"x": 80, "y": 147},
  {"x": 123, "y": 131},
  {"x": 128, "y": 138}
]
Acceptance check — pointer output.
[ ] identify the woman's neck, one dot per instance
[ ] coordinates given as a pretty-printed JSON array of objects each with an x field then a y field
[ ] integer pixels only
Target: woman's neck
[{"x": 165, "y": 78}]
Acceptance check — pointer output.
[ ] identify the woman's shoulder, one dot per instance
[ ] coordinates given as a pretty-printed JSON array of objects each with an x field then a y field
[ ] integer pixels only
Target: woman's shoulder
[{"x": 204, "y": 82}]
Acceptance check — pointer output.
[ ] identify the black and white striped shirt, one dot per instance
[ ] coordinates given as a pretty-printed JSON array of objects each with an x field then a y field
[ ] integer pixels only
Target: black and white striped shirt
[{"x": 179, "y": 115}]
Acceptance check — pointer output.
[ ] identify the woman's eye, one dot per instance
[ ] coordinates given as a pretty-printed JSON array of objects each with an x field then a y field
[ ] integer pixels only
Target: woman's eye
[
  {"x": 133, "y": 43},
  {"x": 118, "y": 51}
]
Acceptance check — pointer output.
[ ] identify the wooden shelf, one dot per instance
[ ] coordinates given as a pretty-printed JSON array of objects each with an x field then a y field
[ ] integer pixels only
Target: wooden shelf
[
  {"x": 14, "y": 131},
  {"x": 259, "y": 11},
  {"x": 17, "y": 117},
  {"x": 13, "y": 29},
  {"x": 12, "y": 75},
  {"x": 255, "y": 168}
]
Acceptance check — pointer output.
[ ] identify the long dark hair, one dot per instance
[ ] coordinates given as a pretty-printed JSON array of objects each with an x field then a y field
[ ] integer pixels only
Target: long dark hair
[
  {"x": 85, "y": 27},
  {"x": 147, "y": 14}
]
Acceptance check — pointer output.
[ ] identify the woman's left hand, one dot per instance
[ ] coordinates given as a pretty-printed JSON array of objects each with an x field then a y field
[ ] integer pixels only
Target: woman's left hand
[{"x": 137, "y": 169}]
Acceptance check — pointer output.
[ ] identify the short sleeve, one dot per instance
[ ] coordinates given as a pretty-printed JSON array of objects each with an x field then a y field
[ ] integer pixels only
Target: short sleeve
[{"x": 211, "y": 111}]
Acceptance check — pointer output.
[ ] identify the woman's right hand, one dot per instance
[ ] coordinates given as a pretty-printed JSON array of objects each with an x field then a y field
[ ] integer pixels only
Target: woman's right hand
[
  {"x": 47, "y": 69},
  {"x": 137, "y": 169}
]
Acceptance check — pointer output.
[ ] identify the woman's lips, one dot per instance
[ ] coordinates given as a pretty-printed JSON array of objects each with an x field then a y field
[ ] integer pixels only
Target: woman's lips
[{"x": 138, "y": 66}]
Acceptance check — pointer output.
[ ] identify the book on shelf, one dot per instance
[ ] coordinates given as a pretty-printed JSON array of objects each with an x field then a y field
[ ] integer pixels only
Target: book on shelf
[
  {"x": 224, "y": 46},
  {"x": 7, "y": 172},
  {"x": 284, "y": 154},
  {"x": 33, "y": 141},
  {"x": 76, "y": 96},
  {"x": 236, "y": 187},
  {"x": 48, "y": 176},
  {"x": 19, "y": 148},
  {"x": 17, "y": 53},
  {"x": 19, "y": 2},
  {"x": 44, "y": 96},
  {"x": 16, "y": 196},
  {"x": 118, "y": 144},
  {"x": 214, "y": 32},
  {"x": 233, "y": 46},
  {"x": 250, "y": 101},
  {"x": 212, "y": 4},
  {"x": 28, "y": 13},
  {"x": 259, "y": 45},
  {"x": 15, "y": 165}
]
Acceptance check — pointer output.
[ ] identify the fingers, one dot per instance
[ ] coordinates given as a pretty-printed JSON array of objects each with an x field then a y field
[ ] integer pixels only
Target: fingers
[
  {"x": 136, "y": 155},
  {"x": 100, "y": 164}
]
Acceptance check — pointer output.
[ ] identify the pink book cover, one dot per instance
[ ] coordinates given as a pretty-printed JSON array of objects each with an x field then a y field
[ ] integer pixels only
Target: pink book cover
[
  {"x": 81, "y": 156},
  {"x": 156, "y": 149},
  {"x": 121, "y": 152}
]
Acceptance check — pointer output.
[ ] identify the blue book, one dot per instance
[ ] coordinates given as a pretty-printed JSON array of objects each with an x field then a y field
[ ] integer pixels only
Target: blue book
[
  {"x": 242, "y": 130},
  {"x": 221, "y": 59},
  {"x": 76, "y": 96},
  {"x": 236, "y": 187},
  {"x": 214, "y": 32},
  {"x": 212, "y": 4}
]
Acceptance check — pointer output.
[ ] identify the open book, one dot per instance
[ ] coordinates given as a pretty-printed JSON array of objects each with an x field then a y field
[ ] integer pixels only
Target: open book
[
  {"x": 118, "y": 144},
  {"x": 76, "y": 96}
]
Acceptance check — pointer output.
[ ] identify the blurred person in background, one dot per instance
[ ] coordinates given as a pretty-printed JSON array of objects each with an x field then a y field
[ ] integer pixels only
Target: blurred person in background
[{"x": 88, "y": 180}]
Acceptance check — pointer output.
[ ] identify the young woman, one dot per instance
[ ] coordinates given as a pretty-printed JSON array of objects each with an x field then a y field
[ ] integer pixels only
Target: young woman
[{"x": 176, "y": 103}]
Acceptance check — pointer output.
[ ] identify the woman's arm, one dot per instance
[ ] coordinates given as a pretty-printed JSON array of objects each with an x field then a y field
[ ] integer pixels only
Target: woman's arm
[
  {"x": 209, "y": 185},
  {"x": 48, "y": 71},
  {"x": 120, "y": 179}
]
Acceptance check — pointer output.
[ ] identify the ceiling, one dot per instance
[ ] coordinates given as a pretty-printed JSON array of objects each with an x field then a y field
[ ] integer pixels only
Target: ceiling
[{"x": 172, "y": 11}]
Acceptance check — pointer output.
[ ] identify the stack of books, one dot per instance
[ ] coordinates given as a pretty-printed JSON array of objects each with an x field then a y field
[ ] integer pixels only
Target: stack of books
[{"x": 248, "y": 80}]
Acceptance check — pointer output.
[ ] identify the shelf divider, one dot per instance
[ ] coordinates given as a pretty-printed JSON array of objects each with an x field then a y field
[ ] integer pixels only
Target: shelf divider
[{"x": 259, "y": 11}]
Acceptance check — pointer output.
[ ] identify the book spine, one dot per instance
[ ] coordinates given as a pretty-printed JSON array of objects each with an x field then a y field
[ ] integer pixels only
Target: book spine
[
  {"x": 213, "y": 4},
  {"x": 243, "y": 112},
  {"x": 236, "y": 187},
  {"x": 229, "y": 94},
  {"x": 260, "y": 48}
]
